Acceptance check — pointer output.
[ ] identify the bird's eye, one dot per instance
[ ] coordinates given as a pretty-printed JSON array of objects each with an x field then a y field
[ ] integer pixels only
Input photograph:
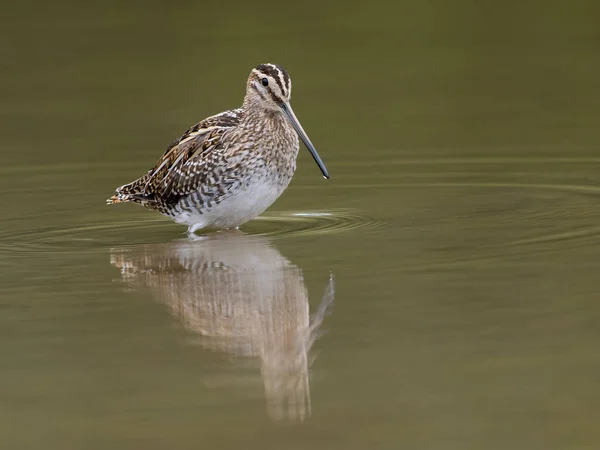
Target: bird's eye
[{"x": 265, "y": 82}]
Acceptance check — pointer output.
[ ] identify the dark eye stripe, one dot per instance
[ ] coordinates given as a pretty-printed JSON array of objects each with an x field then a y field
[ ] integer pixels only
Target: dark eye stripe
[
  {"x": 274, "y": 72},
  {"x": 274, "y": 97},
  {"x": 278, "y": 81}
]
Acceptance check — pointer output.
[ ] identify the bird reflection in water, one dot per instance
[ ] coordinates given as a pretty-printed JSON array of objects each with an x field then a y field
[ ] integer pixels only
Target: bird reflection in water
[{"x": 242, "y": 297}]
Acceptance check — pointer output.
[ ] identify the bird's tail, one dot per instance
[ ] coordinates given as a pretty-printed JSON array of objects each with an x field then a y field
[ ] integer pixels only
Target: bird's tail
[
  {"x": 119, "y": 198},
  {"x": 132, "y": 192}
]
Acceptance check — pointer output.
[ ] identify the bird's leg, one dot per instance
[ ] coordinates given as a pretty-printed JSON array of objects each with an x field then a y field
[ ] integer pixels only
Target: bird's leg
[{"x": 191, "y": 231}]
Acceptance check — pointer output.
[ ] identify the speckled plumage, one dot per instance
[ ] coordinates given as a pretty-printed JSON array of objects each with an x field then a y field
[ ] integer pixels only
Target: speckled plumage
[{"x": 228, "y": 168}]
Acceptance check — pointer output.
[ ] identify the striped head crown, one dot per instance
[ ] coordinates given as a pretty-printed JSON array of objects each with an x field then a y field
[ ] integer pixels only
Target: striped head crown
[{"x": 270, "y": 85}]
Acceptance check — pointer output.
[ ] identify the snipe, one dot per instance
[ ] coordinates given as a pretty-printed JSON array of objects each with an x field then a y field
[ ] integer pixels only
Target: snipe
[{"x": 229, "y": 168}]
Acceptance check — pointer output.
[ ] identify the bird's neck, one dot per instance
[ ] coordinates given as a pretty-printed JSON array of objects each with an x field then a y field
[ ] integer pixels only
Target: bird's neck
[
  {"x": 256, "y": 116},
  {"x": 271, "y": 132}
]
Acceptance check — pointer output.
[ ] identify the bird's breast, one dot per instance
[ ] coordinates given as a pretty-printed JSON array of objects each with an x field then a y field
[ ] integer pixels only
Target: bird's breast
[{"x": 270, "y": 151}]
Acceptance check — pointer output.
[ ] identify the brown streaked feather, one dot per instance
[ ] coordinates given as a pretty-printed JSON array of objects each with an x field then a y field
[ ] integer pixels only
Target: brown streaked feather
[
  {"x": 226, "y": 119},
  {"x": 188, "y": 164},
  {"x": 194, "y": 144}
]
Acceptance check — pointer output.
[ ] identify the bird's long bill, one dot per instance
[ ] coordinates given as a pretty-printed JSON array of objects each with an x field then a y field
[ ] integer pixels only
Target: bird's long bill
[{"x": 289, "y": 114}]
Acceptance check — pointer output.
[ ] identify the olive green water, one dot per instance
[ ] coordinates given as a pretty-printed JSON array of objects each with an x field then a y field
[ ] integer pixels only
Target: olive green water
[{"x": 441, "y": 291}]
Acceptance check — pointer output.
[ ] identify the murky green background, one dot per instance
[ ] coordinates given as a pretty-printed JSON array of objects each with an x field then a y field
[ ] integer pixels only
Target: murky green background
[{"x": 461, "y": 225}]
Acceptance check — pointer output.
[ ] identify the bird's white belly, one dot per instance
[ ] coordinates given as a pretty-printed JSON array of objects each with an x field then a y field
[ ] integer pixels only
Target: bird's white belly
[{"x": 236, "y": 209}]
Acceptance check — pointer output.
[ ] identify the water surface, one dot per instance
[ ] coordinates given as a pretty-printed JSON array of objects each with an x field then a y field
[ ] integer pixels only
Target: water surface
[{"x": 439, "y": 292}]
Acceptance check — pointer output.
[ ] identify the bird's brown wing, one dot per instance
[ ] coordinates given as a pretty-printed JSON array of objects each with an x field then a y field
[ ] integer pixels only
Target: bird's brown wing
[
  {"x": 226, "y": 119},
  {"x": 193, "y": 162}
]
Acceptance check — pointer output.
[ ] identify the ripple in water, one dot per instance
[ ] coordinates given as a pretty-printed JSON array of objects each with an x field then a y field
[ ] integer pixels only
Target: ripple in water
[
  {"x": 310, "y": 223},
  {"x": 471, "y": 174},
  {"x": 100, "y": 236}
]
